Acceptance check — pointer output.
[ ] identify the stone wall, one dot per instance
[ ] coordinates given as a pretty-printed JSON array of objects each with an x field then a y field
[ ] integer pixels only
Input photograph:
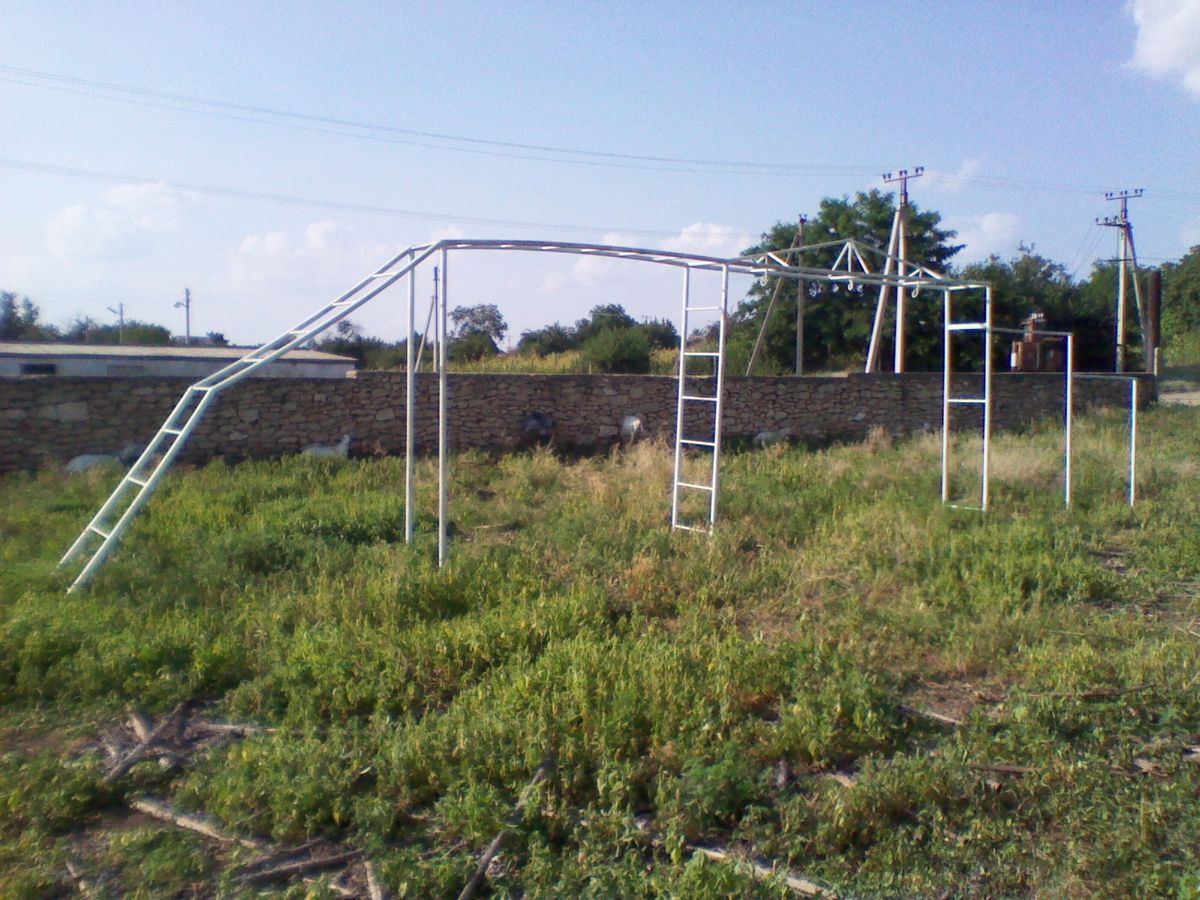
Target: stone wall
[{"x": 46, "y": 420}]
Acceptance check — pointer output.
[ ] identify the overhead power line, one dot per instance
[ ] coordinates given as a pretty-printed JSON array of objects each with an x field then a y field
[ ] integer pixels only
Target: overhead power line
[
  {"x": 312, "y": 202},
  {"x": 387, "y": 133}
]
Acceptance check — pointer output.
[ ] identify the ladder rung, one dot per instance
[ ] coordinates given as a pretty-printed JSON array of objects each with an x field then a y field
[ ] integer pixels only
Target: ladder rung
[
  {"x": 172, "y": 431},
  {"x": 972, "y": 401},
  {"x": 691, "y": 442},
  {"x": 138, "y": 481},
  {"x": 702, "y": 308},
  {"x": 100, "y": 531},
  {"x": 695, "y": 487},
  {"x": 694, "y": 528},
  {"x": 342, "y": 303},
  {"x": 968, "y": 326},
  {"x": 966, "y": 507},
  {"x": 697, "y": 397},
  {"x": 200, "y": 387},
  {"x": 711, "y": 353}
]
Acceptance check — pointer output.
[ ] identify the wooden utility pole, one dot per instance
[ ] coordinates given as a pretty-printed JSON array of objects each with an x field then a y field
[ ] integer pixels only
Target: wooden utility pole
[{"x": 1127, "y": 267}]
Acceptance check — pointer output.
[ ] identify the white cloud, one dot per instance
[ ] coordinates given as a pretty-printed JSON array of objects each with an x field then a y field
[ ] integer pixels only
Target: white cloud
[
  {"x": 125, "y": 221},
  {"x": 952, "y": 182},
  {"x": 709, "y": 239},
  {"x": 992, "y": 232},
  {"x": 1168, "y": 40}
]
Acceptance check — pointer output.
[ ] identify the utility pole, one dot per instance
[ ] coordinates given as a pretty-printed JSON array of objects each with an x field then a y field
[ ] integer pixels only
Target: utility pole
[
  {"x": 1127, "y": 268},
  {"x": 119, "y": 312},
  {"x": 897, "y": 255},
  {"x": 186, "y": 303},
  {"x": 801, "y": 292},
  {"x": 797, "y": 242}
]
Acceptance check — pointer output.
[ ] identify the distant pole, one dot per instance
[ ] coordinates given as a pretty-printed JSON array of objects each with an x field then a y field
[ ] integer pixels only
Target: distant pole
[
  {"x": 902, "y": 177},
  {"x": 119, "y": 312},
  {"x": 1127, "y": 264},
  {"x": 800, "y": 297},
  {"x": 186, "y": 303}
]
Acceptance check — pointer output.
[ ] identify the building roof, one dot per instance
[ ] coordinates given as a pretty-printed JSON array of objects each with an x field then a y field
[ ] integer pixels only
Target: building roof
[{"x": 113, "y": 351}]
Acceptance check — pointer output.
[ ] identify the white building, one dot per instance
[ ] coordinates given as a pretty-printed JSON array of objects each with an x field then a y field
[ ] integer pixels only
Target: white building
[{"x": 94, "y": 360}]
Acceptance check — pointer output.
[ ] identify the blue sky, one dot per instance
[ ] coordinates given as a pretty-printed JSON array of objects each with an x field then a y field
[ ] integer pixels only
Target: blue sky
[{"x": 1022, "y": 113}]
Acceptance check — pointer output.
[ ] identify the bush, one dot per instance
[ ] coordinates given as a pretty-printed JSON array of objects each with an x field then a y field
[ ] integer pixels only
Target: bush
[{"x": 618, "y": 350}]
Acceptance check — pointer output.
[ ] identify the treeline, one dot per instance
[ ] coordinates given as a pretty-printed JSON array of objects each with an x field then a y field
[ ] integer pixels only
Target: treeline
[
  {"x": 837, "y": 320},
  {"x": 21, "y": 320}
]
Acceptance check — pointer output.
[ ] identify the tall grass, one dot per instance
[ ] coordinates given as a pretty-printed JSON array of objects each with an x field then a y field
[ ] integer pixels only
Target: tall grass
[{"x": 709, "y": 685}]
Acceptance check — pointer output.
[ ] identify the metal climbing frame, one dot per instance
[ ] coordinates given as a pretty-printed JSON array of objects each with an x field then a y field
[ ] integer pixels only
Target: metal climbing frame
[
  {"x": 1134, "y": 397},
  {"x": 987, "y": 330},
  {"x": 101, "y": 536}
]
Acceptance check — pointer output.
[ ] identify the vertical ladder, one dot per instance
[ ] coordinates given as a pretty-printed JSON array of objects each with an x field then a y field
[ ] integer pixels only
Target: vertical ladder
[
  {"x": 699, "y": 400},
  {"x": 949, "y": 400},
  {"x": 138, "y": 485}
]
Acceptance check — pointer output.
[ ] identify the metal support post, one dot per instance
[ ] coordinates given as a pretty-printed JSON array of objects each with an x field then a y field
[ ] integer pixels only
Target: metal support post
[
  {"x": 901, "y": 292},
  {"x": 946, "y": 379},
  {"x": 1069, "y": 425},
  {"x": 442, "y": 404},
  {"x": 716, "y": 451},
  {"x": 682, "y": 392},
  {"x": 410, "y": 397},
  {"x": 1133, "y": 428},
  {"x": 987, "y": 396}
]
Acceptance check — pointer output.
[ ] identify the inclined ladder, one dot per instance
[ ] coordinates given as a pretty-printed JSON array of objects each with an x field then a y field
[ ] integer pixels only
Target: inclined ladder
[
  {"x": 698, "y": 410},
  {"x": 949, "y": 401},
  {"x": 103, "y": 533}
]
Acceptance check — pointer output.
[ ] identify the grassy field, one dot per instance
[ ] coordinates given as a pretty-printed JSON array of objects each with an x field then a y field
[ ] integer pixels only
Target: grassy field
[{"x": 850, "y": 681}]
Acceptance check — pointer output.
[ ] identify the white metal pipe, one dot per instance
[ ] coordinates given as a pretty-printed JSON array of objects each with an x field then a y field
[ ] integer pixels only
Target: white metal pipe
[
  {"x": 1069, "y": 427},
  {"x": 987, "y": 400},
  {"x": 716, "y": 452},
  {"x": 946, "y": 379},
  {"x": 683, "y": 335},
  {"x": 1133, "y": 428},
  {"x": 442, "y": 409},
  {"x": 410, "y": 399}
]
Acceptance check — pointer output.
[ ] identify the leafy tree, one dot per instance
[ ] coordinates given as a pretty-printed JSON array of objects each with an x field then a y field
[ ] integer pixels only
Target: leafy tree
[
  {"x": 471, "y": 346},
  {"x": 1029, "y": 282},
  {"x": 21, "y": 321},
  {"x": 217, "y": 339},
  {"x": 556, "y": 338},
  {"x": 618, "y": 350},
  {"x": 606, "y": 317},
  {"x": 86, "y": 330},
  {"x": 661, "y": 333},
  {"x": 837, "y": 321},
  {"x": 483, "y": 318},
  {"x": 1181, "y": 295}
]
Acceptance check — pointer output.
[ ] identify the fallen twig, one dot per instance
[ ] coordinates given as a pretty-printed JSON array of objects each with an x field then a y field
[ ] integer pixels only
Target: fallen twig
[
  {"x": 762, "y": 872},
  {"x": 930, "y": 714},
  {"x": 85, "y": 887},
  {"x": 298, "y": 867},
  {"x": 375, "y": 888},
  {"x": 759, "y": 871},
  {"x": 480, "y": 875},
  {"x": 140, "y": 725},
  {"x": 1000, "y": 769},
  {"x": 164, "y": 812}
]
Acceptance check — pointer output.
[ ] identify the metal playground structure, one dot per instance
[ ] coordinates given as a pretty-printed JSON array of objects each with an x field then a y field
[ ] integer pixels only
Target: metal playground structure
[{"x": 701, "y": 370}]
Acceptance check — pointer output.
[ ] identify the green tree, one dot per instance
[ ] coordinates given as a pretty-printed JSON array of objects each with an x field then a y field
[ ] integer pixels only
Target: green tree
[
  {"x": 837, "y": 321},
  {"x": 483, "y": 318},
  {"x": 1181, "y": 295},
  {"x": 1028, "y": 282},
  {"x": 623, "y": 351},
  {"x": 20, "y": 320}
]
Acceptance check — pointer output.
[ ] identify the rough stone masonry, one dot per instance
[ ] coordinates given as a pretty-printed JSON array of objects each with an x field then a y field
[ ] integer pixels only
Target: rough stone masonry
[{"x": 46, "y": 420}]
